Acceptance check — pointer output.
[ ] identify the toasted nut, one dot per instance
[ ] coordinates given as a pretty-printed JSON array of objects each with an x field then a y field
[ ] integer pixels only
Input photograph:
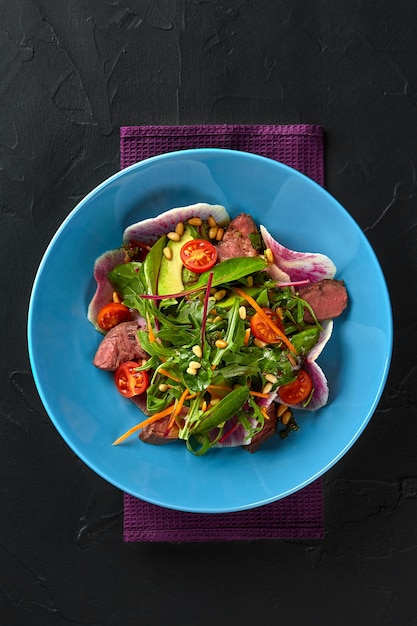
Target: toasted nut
[
  {"x": 179, "y": 229},
  {"x": 259, "y": 343},
  {"x": 220, "y": 233},
  {"x": 194, "y": 365},
  {"x": 279, "y": 312},
  {"x": 167, "y": 253},
  {"x": 249, "y": 281},
  {"x": 116, "y": 297},
  {"x": 204, "y": 406},
  {"x": 220, "y": 343},
  {"x": 197, "y": 351},
  {"x": 195, "y": 221},
  {"x": 191, "y": 370},
  {"x": 213, "y": 232},
  {"x": 271, "y": 378},
  {"x": 163, "y": 387},
  {"x": 242, "y": 312},
  {"x": 173, "y": 236},
  {"x": 214, "y": 401},
  {"x": 218, "y": 318},
  {"x": 213, "y": 291},
  {"x": 269, "y": 256},
  {"x": 220, "y": 294},
  {"x": 267, "y": 388},
  {"x": 281, "y": 409},
  {"x": 285, "y": 418},
  {"x": 211, "y": 221}
]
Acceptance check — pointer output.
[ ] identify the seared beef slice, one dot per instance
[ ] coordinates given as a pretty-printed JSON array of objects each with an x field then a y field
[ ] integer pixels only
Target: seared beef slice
[
  {"x": 119, "y": 345},
  {"x": 236, "y": 241},
  {"x": 328, "y": 298}
]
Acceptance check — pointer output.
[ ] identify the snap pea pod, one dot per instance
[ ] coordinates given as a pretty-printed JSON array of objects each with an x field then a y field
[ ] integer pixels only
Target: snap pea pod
[{"x": 224, "y": 410}]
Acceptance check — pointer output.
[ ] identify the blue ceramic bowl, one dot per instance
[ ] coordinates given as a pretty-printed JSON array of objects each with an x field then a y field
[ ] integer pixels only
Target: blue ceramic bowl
[{"x": 83, "y": 402}]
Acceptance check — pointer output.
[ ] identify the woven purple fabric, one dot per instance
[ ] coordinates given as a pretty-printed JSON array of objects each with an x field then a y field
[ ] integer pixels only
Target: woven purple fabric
[{"x": 300, "y": 515}]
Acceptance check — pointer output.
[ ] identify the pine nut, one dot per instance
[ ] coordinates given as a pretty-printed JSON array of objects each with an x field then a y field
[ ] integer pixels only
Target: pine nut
[
  {"x": 116, "y": 297},
  {"x": 220, "y": 343},
  {"x": 214, "y": 401},
  {"x": 195, "y": 221},
  {"x": 267, "y": 388},
  {"x": 220, "y": 294},
  {"x": 204, "y": 406},
  {"x": 285, "y": 418},
  {"x": 173, "y": 236},
  {"x": 167, "y": 253},
  {"x": 194, "y": 365},
  {"x": 179, "y": 229},
  {"x": 218, "y": 318},
  {"x": 259, "y": 343},
  {"x": 281, "y": 409},
  {"x": 213, "y": 232},
  {"x": 220, "y": 234},
  {"x": 197, "y": 351},
  {"x": 191, "y": 370},
  {"x": 249, "y": 281},
  {"x": 269, "y": 256},
  {"x": 242, "y": 312},
  {"x": 211, "y": 221},
  {"x": 271, "y": 378},
  {"x": 163, "y": 387}
]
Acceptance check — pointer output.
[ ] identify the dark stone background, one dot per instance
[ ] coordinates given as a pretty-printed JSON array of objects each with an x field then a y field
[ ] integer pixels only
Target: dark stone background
[{"x": 71, "y": 73}]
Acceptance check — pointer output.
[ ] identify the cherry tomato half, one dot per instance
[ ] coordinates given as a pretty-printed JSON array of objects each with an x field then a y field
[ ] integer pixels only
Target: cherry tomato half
[
  {"x": 112, "y": 314},
  {"x": 129, "y": 381},
  {"x": 298, "y": 390},
  {"x": 262, "y": 331},
  {"x": 198, "y": 255}
]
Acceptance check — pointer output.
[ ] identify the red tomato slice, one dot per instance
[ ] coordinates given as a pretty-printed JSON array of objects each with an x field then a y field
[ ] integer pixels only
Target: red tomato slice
[
  {"x": 129, "y": 381},
  {"x": 298, "y": 390},
  {"x": 262, "y": 331},
  {"x": 112, "y": 314},
  {"x": 198, "y": 255}
]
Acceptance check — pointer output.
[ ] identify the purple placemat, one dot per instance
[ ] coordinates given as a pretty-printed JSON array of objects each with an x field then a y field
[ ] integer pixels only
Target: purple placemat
[{"x": 300, "y": 515}]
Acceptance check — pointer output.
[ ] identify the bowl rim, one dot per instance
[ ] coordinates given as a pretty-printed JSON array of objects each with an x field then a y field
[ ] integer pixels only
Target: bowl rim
[{"x": 125, "y": 172}]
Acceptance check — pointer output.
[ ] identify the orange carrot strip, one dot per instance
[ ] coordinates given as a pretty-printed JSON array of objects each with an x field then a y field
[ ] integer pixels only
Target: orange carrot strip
[
  {"x": 169, "y": 375},
  {"x": 177, "y": 409},
  {"x": 219, "y": 387},
  {"x": 258, "y": 394},
  {"x": 150, "y": 329},
  {"x": 266, "y": 319},
  {"x": 247, "y": 336},
  {"x": 146, "y": 422}
]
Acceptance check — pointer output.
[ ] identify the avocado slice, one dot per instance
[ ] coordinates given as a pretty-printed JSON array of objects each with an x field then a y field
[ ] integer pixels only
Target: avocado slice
[{"x": 170, "y": 273}]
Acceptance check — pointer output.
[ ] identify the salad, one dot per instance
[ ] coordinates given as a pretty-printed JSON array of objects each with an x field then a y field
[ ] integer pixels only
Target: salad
[{"x": 213, "y": 328}]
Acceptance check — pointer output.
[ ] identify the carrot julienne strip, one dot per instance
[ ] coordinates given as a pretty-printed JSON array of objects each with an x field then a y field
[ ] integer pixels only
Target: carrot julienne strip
[
  {"x": 150, "y": 329},
  {"x": 177, "y": 408},
  {"x": 259, "y": 394},
  {"x": 146, "y": 422},
  {"x": 266, "y": 319},
  {"x": 169, "y": 375}
]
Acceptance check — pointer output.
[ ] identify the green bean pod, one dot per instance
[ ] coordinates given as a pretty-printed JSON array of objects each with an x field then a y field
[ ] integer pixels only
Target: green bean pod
[{"x": 223, "y": 411}]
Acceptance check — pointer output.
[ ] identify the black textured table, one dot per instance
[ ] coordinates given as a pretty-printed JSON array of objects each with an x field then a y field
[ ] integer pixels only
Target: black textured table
[{"x": 71, "y": 74}]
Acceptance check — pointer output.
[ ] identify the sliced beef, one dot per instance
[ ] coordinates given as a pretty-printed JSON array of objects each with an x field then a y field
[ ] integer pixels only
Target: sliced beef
[
  {"x": 119, "y": 345},
  {"x": 236, "y": 241},
  {"x": 328, "y": 298},
  {"x": 269, "y": 429},
  {"x": 155, "y": 433}
]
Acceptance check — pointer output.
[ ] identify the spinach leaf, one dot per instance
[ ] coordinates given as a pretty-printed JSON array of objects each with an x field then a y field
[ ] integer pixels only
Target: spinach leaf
[{"x": 232, "y": 269}]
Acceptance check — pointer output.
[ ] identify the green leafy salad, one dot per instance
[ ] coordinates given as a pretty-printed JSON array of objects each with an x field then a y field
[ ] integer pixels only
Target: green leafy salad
[{"x": 228, "y": 349}]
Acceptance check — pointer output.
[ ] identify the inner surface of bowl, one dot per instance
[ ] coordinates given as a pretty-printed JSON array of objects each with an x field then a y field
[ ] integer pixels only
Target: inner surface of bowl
[{"x": 83, "y": 402}]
